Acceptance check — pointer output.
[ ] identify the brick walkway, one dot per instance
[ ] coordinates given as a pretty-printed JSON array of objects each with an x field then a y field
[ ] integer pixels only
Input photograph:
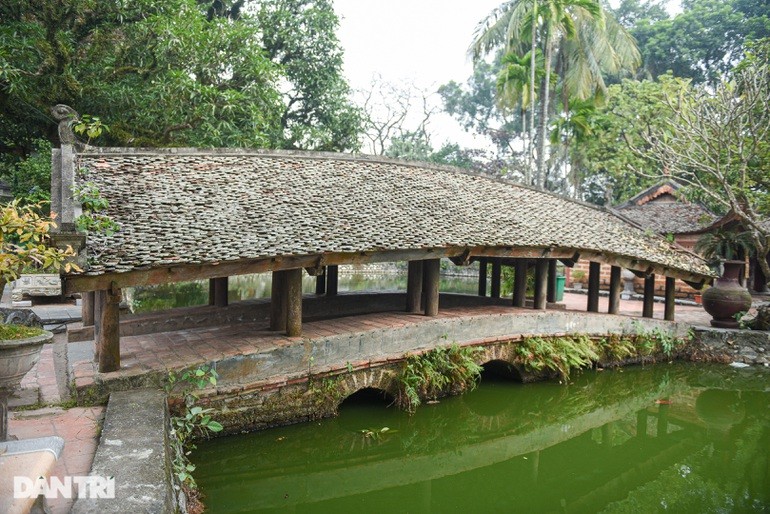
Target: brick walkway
[{"x": 79, "y": 427}]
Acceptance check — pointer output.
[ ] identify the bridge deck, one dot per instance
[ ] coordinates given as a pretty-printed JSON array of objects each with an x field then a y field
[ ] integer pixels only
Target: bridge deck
[{"x": 248, "y": 353}]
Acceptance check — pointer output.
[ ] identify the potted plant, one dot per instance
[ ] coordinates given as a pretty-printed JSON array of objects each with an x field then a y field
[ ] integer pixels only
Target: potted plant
[
  {"x": 24, "y": 237},
  {"x": 577, "y": 277}
]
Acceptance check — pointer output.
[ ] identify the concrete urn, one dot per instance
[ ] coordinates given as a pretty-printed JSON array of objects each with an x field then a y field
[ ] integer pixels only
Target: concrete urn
[
  {"x": 727, "y": 297},
  {"x": 18, "y": 356}
]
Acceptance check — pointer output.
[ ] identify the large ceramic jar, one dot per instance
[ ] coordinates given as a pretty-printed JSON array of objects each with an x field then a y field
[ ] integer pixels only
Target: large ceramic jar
[{"x": 727, "y": 297}]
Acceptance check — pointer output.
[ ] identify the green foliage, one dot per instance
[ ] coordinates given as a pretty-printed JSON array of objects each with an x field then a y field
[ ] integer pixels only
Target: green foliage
[
  {"x": 24, "y": 242},
  {"x": 558, "y": 354},
  {"x": 725, "y": 244},
  {"x": 176, "y": 73},
  {"x": 193, "y": 422},
  {"x": 93, "y": 218},
  {"x": 30, "y": 178},
  {"x": 436, "y": 373},
  {"x": 11, "y": 332}
]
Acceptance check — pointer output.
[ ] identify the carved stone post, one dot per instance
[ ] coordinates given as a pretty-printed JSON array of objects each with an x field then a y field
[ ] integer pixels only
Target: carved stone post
[
  {"x": 482, "y": 277},
  {"x": 670, "y": 299},
  {"x": 594, "y": 269},
  {"x": 520, "y": 283},
  {"x": 294, "y": 302},
  {"x": 541, "y": 283},
  {"x": 649, "y": 296},
  {"x": 109, "y": 335},
  {"x": 431, "y": 270},
  {"x": 414, "y": 287},
  {"x": 615, "y": 285}
]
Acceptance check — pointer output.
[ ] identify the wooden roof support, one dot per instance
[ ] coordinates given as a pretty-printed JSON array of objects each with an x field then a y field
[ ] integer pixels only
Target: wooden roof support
[
  {"x": 109, "y": 333},
  {"x": 520, "y": 283},
  {"x": 87, "y": 308},
  {"x": 670, "y": 299},
  {"x": 293, "y": 286},
  {"x": 278, "y": 302},
  {"x": 320, "y": 283},
  {"x": 482, "y": 277},
  {"x": 649, "y": 296},
  {"x": 541, "y": 283},
  {"x": 551, "y": 290},
  {"x": 431, "y": 270},
  {"x": 414, "y": 287},
  {"x": 594, "y": 271},
  {"x": 332, "y": 280},
  {"x": 616, "y": 285},
  {"x": 497, "y": 278},
  {"x": 218, "y": 291}
]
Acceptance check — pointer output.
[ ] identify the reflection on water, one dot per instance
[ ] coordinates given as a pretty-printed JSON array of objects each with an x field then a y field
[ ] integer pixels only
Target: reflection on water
[
  {"x": 675, "y": 438},
  {"x": 247, "y": 287}
]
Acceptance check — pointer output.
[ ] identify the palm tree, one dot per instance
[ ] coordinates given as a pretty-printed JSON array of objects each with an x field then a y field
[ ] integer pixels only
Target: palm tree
[
  {"x": 514, "y": 87},
  {"x": 588, "y": 42}
]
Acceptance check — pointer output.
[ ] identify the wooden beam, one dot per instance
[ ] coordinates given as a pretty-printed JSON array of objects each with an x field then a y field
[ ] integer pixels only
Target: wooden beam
[
  {"x": 431, "y": 271},
  {"x": 541, "y": 283},
  {"x": 109, "y": 335},
  {"x": 414, "y": 287},
  {"x": 571, "y": 261},
  {"x": 670, "y": 299},
  {"x": 594, "y": 279},
  {"x": 180, "y": 273},
  {"x": 649, "y": 296},
  {"x": 293, "y": 302},
  {"x": 332, "y": 280},
  {"x": 551, "y": 289},
  {"x": 87, "y": 308},
  {"x": 98, "y": 303},
  {"x": 520, "y": 283},
  {"x": 278, "y": 302},
  {"x": 497, "y": 274},
  {"x": 482, "y": 277},
  {"x": 220, "y": 291},
  {"x": 616, "y": 285}
]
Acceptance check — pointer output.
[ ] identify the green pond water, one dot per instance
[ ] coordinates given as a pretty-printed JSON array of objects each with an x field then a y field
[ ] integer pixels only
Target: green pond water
[
  {"x": 247, "y": 287},
  {"x": 663, "y": 438}
]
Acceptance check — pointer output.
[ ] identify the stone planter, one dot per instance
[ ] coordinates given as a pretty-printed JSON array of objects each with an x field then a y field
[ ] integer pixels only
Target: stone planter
[
  {"x": 727, "y": 297},
  {"x": 18, "y": 356}
]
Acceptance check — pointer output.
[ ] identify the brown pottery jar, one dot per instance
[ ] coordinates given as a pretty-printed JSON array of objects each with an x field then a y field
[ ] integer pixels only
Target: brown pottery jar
[{"x": 727, "y": 297}]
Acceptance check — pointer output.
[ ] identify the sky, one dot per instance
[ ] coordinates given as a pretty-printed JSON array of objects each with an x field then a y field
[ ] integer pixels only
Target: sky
[{"x": 420, "y": 42}]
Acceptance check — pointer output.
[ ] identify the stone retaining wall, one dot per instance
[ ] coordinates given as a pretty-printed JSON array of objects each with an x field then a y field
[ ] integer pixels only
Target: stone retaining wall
[{"x": 730, "y": 345}]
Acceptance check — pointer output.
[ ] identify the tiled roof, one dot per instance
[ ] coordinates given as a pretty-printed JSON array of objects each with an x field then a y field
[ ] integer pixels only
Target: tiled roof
[
  {"x": 669, "y": 217},
  {"x": 196, "y": 207}
]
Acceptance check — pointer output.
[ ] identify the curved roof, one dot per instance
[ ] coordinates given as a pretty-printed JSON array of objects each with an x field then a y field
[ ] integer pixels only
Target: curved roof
[
  {"x": 184, "y": 207},
  {"x": 662, "y": 208}
]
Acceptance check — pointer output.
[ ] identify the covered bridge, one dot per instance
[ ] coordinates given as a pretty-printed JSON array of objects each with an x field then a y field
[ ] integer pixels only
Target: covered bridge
[{"x": 188, "y": 214}]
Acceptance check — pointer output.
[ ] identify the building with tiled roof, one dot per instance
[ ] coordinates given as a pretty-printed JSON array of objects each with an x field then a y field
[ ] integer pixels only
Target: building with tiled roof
[{"x": 189, "y": 214}]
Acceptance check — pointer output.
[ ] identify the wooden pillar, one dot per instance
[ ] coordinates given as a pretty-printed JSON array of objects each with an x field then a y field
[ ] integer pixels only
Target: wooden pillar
[
  {"x": 414, "y": 287},
  {"x": 551, "y": 291},
  {"x": 218, "y": 291},
  {"x": 541, "y": 283},
  {"x": 332, "y": 280},
  {"x": 482, "y": 277},
  {"x": 497, "y": 277},
  {"x": 649, "y": 296},
  {"x": 87, "y": 308},
  {"x": 320, "y": 283},
  {"x": 278, "y": 301},
  {"x": 670, "y": 297},
  {"x": 615, "y": 287},
  {"x": 520, "y": 283},
  {"x": 430, "y": 273},
  {"x": 594, "y": 269},
  {"x": 98, "y": 302},
  {"x": 109, "y": 334},
  {"x": 293, "y": 286}
]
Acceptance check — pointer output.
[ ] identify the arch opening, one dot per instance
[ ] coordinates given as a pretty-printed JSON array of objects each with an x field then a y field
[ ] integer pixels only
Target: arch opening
[
  {"x": 368, "y": 396},
  {"x": 500, "y": 371}
]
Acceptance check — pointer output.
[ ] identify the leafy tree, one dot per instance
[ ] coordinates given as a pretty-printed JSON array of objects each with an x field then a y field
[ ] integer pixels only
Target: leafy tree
[{"x": 716, "y": 142}]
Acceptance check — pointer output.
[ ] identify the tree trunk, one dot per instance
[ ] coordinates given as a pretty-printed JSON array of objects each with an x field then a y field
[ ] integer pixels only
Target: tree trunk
[
  {"x": 543, "y": 121},
  {"x": 533, "y": 65}
]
